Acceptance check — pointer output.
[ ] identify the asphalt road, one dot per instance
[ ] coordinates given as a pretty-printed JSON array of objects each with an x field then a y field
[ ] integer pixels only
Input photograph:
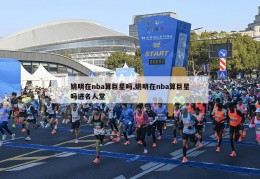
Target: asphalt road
[{"x": 57, "y": 156}]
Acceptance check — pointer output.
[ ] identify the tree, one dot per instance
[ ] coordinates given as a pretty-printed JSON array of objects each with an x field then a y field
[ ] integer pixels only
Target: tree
[{"x": 118, "y": 59}]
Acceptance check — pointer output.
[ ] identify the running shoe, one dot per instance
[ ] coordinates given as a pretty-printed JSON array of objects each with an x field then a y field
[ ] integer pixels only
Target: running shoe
[
  {"x": 184, "y": 160},
  {"x": 96, "y": 161},
  {"x": 48, "y": 125},
  {"x": 201, "y": 145},
  {"x": 13, "y": 136},
  {"x": 76, "y": 141},
  {"x": 23, "y": 130},
  {"x": 28, "y": 138},
  {"x": 42, "y": 124},
  {"x": 174, "y": 141},
  {"x": 218, "y": 149},
  {"x": 145, "y": 151},
  {"x": 244, "y": 134},
  {"x": 3, "y": 137},
  {"x": 118, "y": 139},
  {"x": 140, "y": 142},
  {"x": 233, "y": 154},
  {"x": 13, "y": 126},
  {"x": 159, "y": 137},
  {"x": 127, "y": 143},
  {"x": 53, "y": 131},
  {"x": 154, "y": 145}
]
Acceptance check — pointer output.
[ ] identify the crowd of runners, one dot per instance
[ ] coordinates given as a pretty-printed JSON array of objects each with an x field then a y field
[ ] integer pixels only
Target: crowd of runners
[{"x": 232, "y": 104}]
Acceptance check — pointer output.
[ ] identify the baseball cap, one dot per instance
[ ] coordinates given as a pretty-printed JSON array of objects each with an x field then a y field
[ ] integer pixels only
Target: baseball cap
[
  {"x": 96, "y": 108},
  {"x": 184, "y": 108}
]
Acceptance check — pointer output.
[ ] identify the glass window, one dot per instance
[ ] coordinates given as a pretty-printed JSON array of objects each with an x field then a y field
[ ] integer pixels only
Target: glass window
[
  {"x": 53, "y": 68},
  {"x": 62, "y": 69}
]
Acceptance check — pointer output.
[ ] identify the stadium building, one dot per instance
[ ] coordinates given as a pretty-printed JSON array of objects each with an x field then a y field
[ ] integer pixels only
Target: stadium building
[{"x": 61, "y": 46}]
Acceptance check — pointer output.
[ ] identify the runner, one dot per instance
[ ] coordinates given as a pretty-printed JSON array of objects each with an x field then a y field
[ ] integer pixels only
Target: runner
[
  {"x": 4, "y": 121},
  {"x": 30, "y": 118},
  {"x": 112, "y": 121},
  {"x": 255, "y": 122},
  {"x": 200, "y": 124},
  {"x": 189, "y": 131},
  {"x": 98, "y": 120},
  {"x": 117, "y": 113},
  {"x": 177, "y": 122},
  {"x": 142, "y": 123},
  {"x": 76, "y": 116},
  {"x": 241, "y": 107},
  {"x": 235, "y": 117},
  {"x": 127, "y": 117},
  {"x": 161, "y": 113},
  {"x": 22, "y": 113},
  {"x": 49, "y": 110},
  {"x": 219, "y": 116},
  {"x": 14, "y": 112},
  {"x": 153, "y": 123}
]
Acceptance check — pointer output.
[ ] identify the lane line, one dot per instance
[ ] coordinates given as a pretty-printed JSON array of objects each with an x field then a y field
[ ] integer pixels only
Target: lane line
[
  {"x": 25, "y": 166},
  {"x": 163, "y": 161}
]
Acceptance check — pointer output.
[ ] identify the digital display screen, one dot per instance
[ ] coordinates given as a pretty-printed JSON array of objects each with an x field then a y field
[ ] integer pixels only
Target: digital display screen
[{"x": 157, "y": 61}]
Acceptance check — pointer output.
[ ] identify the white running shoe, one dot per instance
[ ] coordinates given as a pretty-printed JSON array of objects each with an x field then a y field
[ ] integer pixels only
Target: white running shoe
[
  {"x": 48, "y": 125},
  {"x": 145, "y": 151},
  {"x": 42, "y": 124},
  {"x": 28, "y": 138},
  {"x": 3, "y": 137},
  {"x": 13, "y": 136},
  {"x": 77, "y": 141}
]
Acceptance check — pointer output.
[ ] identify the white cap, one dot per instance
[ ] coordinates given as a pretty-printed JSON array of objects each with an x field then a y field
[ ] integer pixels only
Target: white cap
[
  {"x": 184, "y": 108},
  {"x": 257, "y": 110}
]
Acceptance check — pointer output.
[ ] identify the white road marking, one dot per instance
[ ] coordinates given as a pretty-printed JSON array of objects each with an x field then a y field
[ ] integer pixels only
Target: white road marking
[
  {"x": 25, "y": 166},
  {"x": 66, "y": 155}
]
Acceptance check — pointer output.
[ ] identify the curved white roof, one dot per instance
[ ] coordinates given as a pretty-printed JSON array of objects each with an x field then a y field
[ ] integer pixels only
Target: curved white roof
[{"x": 56, "y": 32}]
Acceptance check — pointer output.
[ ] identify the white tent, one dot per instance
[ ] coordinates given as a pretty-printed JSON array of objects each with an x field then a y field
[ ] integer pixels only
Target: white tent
[
  {"x": 45, "y": 77},
  {"x": 96, "y": 69},
  {"x": 26, "y": 76}
]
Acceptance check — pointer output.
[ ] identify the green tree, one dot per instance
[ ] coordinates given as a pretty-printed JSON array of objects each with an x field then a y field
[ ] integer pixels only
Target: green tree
[{"x": 118, "y": 59}]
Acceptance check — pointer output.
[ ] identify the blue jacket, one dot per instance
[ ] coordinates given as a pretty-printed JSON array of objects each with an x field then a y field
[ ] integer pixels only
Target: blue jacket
[
  {"x": 117, "y": 111},
  {"x": 161, "y": 113},
  {"x": 4, "y": 114},
  {"x": 127, "y": 116}
]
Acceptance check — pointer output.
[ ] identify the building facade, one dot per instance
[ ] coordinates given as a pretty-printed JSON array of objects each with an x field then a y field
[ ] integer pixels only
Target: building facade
[
  {"x": 253, "y": 29},
  {"x": 79, "y": 39},
  {"x": 137, "y": 18}
]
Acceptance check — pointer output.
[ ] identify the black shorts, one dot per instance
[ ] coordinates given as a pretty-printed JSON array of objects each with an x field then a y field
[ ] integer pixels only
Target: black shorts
[
  {"x": 31, "y": 121},
  {"x": 75, "y": 125},
  {"x": 187, "y": 136},
  {"x": 178, "y": 125},
  {"x": 219, "y": 126},
  {"x": 199, "y": 127},
  {"x": 22, "y": 114},
  {"x": 160, "y": 124},
  {"x": 100, "y": 137},
  {"x": 50, "y": 115}
]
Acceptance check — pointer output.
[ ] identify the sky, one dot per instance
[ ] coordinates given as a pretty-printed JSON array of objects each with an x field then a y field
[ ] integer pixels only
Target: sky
[{"x": 212, "y": 15}]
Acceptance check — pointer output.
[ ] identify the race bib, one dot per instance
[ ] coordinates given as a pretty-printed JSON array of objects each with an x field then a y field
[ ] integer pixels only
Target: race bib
[
  {"x": 233, "y": 119},
  {"x": 99, "y": 131}
]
